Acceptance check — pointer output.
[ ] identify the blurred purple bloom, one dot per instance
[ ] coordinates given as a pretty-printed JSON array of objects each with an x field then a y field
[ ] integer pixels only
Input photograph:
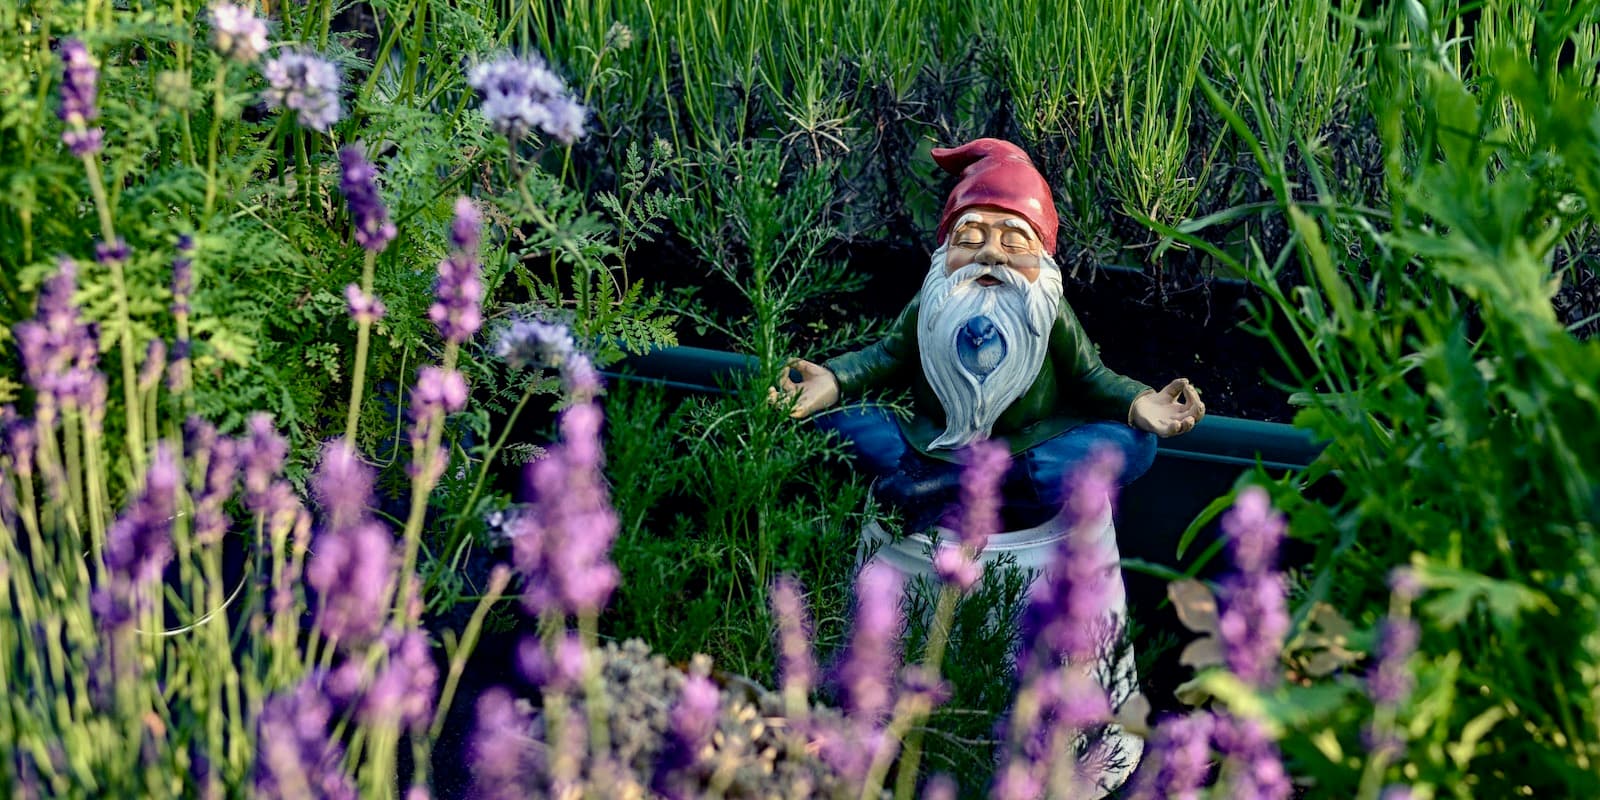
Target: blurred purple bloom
[
  {"x": 795, "y": 664},
  {"x": 1405, "y": 583},
  {"x": 343, "y": 483},
  {"x": 220, "y": 457},
  {"x": 306, "y": 84},
  {"x": 78, "y": 90},
  {"x": 17, "y": 441},
  {"x": 1254, "y": 617},
  {"x": 868, "y": 669},
  {"x": 1018, "y": 780},
  {"x": 561, "y": 671},
  {"x": 139, "y": 544},
  {"x": 1397, "y": 792},
  {"x": 563, "y": 544},
  {"x": 521, "y": 94},
  {"x": 155, "y": 359},
  {"x": 237, "y": 33},
  {"x": 503, "y": 750},
  {"x": 183, "y": 274},
  {"x": 358, "y": 180},
  {"x": 940, "y": 787},
  {"x": 115, "y": 252},
  {"x": 1181, "y": 748},
  {"x": 437, "y": 391},
  {"x": 59, "y": 350},
  {"x": 353, "y": 571},
  {"x": 403, "y": 691},
  {"x": 261, "y": 452},
  {"x": 693, "y": 720},
  {"x": 524, "y": 343},
  {"x": 986, "y": 464},
  {"x": 1255, "y": 768},
  {"x": 1069, "y": 613},
  {"x": 364, "y": 308},
  {"x": 1391, "y": 681},
  {"x": 295, "y": 757},
  {"x": 457, "y": 313}
]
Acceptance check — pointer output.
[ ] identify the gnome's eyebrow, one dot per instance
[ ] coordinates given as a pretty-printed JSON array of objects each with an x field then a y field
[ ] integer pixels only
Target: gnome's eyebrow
[
  {"x": 965, "y": 220},
  {"x": 1021, "y": 226}
]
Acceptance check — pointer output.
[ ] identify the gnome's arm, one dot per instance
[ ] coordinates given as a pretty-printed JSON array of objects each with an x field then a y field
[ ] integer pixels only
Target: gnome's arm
[
  {"x": 1091, "y": 385},
  {"x": 885, "y": 364}
]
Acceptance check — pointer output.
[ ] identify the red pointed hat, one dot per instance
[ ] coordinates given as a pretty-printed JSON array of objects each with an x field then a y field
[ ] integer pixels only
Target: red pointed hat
[{"x": 997, "y": 173}]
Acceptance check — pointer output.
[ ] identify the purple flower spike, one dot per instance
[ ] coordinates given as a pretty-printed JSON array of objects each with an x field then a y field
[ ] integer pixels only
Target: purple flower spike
[
  {"x": 116, "y": 252},
  {"x": 503, "y": 750},
  {"x": 986, "y": 464},
  {"x": 1254, "y": 615},
  {"x": 561, "y": 672},
  {"x": 694, "y": 719},
  {"x": 868, "y": 668},
  {"x": 1391, "y": 681},
  {"x": 343, "y": 484},
  {"x": 237, "y": 33},
  {"x": 364, "y": 308},
  {"x": 220, "y": 456},
  {"x": 183, "y": 274},
  {"x": 262, "y": 452},
  {"x": 358, "y": 179},
  {"x": 457, "y": 313},
  {"x": 295, "y": 756},
  {"x": 563, "y": 545},
  {"x": 403, "y": 691},
  {"x": 139, "y": 544},
  {"x": 155, "y": 358},
  {"x": 1255, "y": 768},
  {"x": 940, "y": 787},
  {"x": 1397, "y": 792},
  {"x": 353, "y": 571},
  {"x": 78, "y": 93},
  {"x": 521, "y": 94},
  {"x": 306, "y": 84},
  {"x": 17, "y": 441},
  {"x": 1181, "y": 746},
  {"x": 59, "y": 350},
  {"x": 795, "y": 663}
]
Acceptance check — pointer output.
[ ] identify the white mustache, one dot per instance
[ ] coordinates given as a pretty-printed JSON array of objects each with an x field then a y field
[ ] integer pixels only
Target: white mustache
[{"x": 967, "y": 276}]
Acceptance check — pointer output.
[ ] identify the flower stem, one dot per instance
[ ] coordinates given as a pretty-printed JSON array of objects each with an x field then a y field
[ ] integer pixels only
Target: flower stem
[
  {"x": 358, "y": 375},
  {"x": 938, "y": 637},
  {"x": 594, "y": 689},
  {"x": 219, "y": 88},
  {"x": 453, "y": 541},
  {"x": 422, "y": 484},
  {"x": 498, "y": 580},
  {"x": 130, "y": 388}
]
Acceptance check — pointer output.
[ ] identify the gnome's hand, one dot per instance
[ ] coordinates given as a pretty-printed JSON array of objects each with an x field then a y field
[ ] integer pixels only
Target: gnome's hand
[
  {"x": 816, "y": 390},
  {"x": 1173, "y": 410}
]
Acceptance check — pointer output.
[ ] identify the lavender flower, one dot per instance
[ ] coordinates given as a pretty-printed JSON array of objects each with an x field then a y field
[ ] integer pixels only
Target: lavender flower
[
  {"x": 1391, "y": 681},
  {"x": 358, "y": 180},
  {"x": 438, "y": 392},
  {"x": 1255, "y": 767},
  {"x": 940, "y": 787},
  {"x": 1254, "y": 619},
  {"x": 556, "y": 672},
  {"x": 1069, "y": 613},
  {"x": 78, "y": 90},
  {"x": 795, "y": 663},
  {"x": 563, "y": 546},
  {"x": 353, "y": 571},
  {"x": 17, "y": 442},
  {"x": 262, "y": 452},
  {"x": 986, "y": 464},
  {"x": 402, "y": 693},
  {"x": 503, "y": 756},
  {"x": 364, "y": 308},
  {"x": 521, "y": 94},
  {"x": 139, "y": 544},
  {"x": 183, "y": 274},
  {"x": 1397, "y": 792},
  {"x": 237, "y": 33},
  {"x": 155, "y": 359},
  {"x": 114, "y": 252},
  {"x": 693, "y": 720},
  {"x": 295, "y": 757},
  {"x": 1181, "y": 746},
  {"x": 59, "y": 350},
  {"x": 459, "y": 290},
  {"x": 343, "y": 484},
  {"x": 868, "y": 668},
  {"x": 306, "y": 84}
]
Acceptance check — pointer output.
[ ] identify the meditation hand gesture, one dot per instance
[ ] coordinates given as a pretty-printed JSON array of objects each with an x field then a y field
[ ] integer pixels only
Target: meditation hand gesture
[
  {"x": 816, "y": 390},
  {"x": 1173, "y": 410}
]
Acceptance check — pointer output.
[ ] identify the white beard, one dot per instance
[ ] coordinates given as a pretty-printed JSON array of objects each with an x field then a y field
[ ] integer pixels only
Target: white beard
[{"x": 1022, "y": 314}]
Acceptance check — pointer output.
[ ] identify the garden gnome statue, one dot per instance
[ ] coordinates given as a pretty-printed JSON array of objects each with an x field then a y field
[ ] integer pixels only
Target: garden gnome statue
[{"x": 989, "y": 349}]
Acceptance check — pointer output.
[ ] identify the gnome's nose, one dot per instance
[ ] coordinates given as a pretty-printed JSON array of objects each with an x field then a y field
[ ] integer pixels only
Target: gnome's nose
[{"x": 980, "y": 330}]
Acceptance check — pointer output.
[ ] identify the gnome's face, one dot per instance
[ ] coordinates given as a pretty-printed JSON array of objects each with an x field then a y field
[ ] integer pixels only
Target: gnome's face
[{"x": 988, "y": 303}]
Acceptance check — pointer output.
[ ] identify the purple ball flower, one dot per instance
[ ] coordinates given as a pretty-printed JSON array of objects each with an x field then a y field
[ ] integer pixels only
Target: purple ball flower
[
  {"x": 358, "y": 180},
  {"x": 353, "y": 571},
  {"x": 457, "y": 313},
  {"x": 535, "y": 343},
  {"x": 795, "y": 663},
  {"x": 521, "y": 94},
  {"x": 78, "y": 90},
  {"x": 237, "y": 33},
  {"x": 364, "y": 308},
  {"x": 306, "y": 84},
  {"x": 295, "y": 757}
]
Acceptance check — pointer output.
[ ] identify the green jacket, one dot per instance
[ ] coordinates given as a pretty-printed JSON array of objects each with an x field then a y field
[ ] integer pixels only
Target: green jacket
[{"x": 1073, "y": 387}]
